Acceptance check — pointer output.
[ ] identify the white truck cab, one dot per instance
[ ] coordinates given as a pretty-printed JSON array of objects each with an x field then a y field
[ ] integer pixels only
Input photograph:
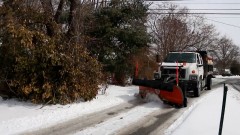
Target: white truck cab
[{"x": 194, "y": 69}]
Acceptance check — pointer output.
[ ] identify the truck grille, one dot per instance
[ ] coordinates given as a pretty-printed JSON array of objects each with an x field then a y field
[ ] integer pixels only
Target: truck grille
[{"x": 182, "y": 72}]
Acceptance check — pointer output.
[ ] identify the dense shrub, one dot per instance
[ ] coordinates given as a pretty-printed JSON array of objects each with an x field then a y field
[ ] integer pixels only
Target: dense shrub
[{"x": 45, "y": 69}]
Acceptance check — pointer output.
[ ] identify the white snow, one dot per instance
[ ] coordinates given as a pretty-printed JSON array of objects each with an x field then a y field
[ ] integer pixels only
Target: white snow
[
  {"x": 17, "y": 117},
  {"x": 118, "y": 122},
  {"x": 202, "y": 117}
]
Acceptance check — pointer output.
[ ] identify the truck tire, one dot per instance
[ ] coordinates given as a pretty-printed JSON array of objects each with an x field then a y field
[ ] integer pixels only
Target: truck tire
[
  {"x": 209, "y": 83},
  {"x": 185, "y": 102},
  {"x": 198, "y": 88}
]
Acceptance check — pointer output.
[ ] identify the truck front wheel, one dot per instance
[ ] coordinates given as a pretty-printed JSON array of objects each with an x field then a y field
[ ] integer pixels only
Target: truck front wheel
[
  {"x": 198, "y": 88},
  {"x": 209, "y": 83}
]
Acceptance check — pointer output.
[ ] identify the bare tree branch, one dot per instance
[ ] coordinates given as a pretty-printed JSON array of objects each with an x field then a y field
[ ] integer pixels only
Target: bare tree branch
[
  {"x": 48, "y": 10},
  {"x": 180, "y": 32},
  {"x": 59, "y": 10},
  {"x": 72, "y": 13}
]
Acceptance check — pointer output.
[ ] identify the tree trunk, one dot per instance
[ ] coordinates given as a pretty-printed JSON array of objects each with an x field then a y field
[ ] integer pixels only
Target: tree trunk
[
  {"x": 48, "y": 10},
  {"x": 72, "y": 19},
  {"x": 59, "y": 11}
]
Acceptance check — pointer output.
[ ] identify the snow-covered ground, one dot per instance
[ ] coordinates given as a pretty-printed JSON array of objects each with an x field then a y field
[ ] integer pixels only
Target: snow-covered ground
[
  {"x": 202, "y": 117},
  {"x": 17, "y": 117}
]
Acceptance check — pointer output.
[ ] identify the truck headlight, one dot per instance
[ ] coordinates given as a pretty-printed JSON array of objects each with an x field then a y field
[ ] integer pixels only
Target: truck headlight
[
  {"x": 157, "y": 75},
  {"x": 193, "y": 77}
]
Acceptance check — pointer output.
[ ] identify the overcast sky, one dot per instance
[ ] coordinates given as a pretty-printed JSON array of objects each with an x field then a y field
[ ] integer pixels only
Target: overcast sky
[{"x": 228, "y": 25}]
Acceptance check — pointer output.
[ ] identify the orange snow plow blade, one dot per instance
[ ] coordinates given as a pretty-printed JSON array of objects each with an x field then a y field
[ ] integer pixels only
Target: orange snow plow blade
[
  {"x": 167, "y": 92},
  {"x": 175, "y": 97}
]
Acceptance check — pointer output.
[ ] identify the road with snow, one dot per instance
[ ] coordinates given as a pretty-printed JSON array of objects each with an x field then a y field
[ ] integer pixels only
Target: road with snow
[
  {"x": 235, "y": 83},
  {"x": 157, "y": 122},
  {"x": 120, "y": 112},
  {"x": 79, "y": 123},
  {"x": 153, "y": 118}
]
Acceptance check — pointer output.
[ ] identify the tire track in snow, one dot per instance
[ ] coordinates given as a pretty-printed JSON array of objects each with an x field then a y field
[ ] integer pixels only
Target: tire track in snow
[
  {"x": 122, "y": 120},
  {"x": 79, "y": 123}
]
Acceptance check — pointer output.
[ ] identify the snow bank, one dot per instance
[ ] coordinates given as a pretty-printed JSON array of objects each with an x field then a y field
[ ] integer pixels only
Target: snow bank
[
  {"x": 203, "y": 118},
  {"x": 17, "y": 117}
]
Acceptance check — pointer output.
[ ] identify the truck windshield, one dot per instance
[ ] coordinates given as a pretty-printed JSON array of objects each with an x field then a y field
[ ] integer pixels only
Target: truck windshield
[{"x": 181, "y": 57}]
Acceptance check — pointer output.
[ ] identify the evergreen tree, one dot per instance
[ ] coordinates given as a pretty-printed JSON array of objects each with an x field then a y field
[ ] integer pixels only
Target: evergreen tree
[{"x": 119, "y": 33}]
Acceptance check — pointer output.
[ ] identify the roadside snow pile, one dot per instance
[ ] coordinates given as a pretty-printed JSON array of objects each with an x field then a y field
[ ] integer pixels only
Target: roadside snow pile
[
  {"x": 17, "y": 117},
  {"x": 219, "y": 79},
  {"x": 233, "y": 76},
  {"x": 203, "y": 118}
]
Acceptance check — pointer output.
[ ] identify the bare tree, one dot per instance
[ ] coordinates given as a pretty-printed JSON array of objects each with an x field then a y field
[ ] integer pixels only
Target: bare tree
[
  {"x": 226, "y": 53},
  {"x": 175, "y": 30},
  {"x": 74, "y": 13}
]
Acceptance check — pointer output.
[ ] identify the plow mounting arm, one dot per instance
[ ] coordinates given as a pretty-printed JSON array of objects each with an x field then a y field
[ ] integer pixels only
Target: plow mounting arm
[{"x": 156, "y": 84}]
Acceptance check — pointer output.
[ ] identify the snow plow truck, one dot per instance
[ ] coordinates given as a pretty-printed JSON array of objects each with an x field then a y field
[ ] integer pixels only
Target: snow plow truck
[{"x": 180, "y": 74}]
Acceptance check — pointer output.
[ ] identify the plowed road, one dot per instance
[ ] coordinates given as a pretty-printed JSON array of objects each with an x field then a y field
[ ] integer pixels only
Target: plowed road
[{"x": 155, "y": 122}]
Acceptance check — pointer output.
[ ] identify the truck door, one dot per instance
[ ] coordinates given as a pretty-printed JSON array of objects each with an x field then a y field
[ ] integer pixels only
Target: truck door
[{"x": 200, "y": 65}]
